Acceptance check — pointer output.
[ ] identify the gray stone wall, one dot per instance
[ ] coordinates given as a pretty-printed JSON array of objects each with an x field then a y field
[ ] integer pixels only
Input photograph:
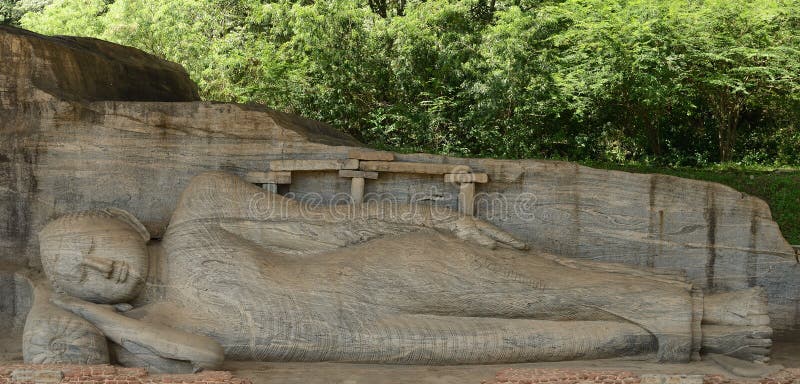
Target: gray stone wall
[{"x": 60, "y": 154}]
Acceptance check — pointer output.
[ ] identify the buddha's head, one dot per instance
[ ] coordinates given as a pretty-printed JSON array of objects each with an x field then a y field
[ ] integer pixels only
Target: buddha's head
[{"x": 98, "y": 256}]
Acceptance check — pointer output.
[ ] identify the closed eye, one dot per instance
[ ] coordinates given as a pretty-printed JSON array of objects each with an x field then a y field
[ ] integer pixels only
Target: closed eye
[{"x": 99, "y": 264}]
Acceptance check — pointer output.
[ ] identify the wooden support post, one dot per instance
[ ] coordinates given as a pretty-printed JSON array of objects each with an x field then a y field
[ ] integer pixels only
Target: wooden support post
[
  {"x": 466, "y": 199},
  {"x": 272, "y": 187},
  {"x": 357, "y": 179},
  {"x": 357, "y": 190}
]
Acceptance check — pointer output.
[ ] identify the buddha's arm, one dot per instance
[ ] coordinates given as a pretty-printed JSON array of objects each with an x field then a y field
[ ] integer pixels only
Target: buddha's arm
[
  {"x": 372, "y": 220},
  {"x": 165, "y": 342},
  {"x": 264, "y": 217}
]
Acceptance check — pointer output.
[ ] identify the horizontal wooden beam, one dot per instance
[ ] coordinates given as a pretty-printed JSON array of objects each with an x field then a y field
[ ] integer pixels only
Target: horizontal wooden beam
[
  {"x": 361, "y": 174},
  {"x": 305, "y": 165},
  {"x": 362, "y": 154},
  {"x": 423, "y": 168},
  {"x": 350, "y": 164},
  {"x": 466, "y": 178},
  {"x": 257, "y": 177}
]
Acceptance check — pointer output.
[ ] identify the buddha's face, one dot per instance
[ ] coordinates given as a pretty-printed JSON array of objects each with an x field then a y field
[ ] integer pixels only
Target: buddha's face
[{"x": 94, "y": 256}]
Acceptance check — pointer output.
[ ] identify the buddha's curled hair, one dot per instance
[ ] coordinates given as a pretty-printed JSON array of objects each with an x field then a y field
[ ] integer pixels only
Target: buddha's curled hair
[{"x": 69, "y": 221}]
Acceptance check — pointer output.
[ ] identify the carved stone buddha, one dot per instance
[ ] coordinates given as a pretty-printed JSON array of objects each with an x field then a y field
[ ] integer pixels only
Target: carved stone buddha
[{"x": 245, "y": 274}]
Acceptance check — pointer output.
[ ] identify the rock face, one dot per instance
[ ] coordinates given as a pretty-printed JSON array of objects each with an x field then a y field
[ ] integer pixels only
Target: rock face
[
  {"x": 271, "y": 279},
  {"x": 86, "y": 124},
  {"x": 37, "y": 68}
]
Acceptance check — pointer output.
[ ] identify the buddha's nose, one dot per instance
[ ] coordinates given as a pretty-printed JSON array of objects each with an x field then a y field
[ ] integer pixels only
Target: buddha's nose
[{"x": 102, "y": 265}]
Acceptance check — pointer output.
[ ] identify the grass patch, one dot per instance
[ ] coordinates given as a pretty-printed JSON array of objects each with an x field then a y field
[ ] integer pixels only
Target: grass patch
[{"x": 780, "y": 188}]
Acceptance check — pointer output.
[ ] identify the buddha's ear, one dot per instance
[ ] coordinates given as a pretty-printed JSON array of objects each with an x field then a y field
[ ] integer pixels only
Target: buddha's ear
[{"x": 131, "y": 220}]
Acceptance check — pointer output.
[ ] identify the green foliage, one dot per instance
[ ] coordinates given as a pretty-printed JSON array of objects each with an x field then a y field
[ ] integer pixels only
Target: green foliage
[
  {"x": 650, "y": 83},
  {"x": 659, "y": 82},
  {"x": 68, "y": 17},
  {"x": 12, "y": 10},
  {"x": 8, "y": 12},
  {"x": 741, "y": 56}
]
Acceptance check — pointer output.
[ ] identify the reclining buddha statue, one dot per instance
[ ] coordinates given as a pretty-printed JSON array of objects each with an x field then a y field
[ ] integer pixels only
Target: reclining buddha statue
[{"x": 245, "y": 274}]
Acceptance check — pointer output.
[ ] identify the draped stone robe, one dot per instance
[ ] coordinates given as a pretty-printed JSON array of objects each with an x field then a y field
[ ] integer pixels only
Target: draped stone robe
[{"x": 269, "y": 282}]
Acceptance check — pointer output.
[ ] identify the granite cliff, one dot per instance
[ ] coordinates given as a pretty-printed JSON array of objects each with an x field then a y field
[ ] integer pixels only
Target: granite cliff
[{"x": 90, "y": 124}]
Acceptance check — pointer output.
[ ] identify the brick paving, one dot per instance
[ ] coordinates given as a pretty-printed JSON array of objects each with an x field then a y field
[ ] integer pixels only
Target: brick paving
[
  {"x": 568, "y": 376},
  {"x": 106, "y": 374}
]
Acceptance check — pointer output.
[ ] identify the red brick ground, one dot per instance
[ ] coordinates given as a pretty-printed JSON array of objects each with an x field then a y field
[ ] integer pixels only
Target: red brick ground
[
  {"x": 109, "y": 374},
  {"x": 564, "y": 376}
]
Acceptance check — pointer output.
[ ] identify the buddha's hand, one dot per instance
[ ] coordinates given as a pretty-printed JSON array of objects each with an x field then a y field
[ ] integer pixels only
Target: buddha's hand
[
  {"x": 480, "y": 232},
  {"x": 160, "y": 340},
  {"x": 77, "y": 306}
]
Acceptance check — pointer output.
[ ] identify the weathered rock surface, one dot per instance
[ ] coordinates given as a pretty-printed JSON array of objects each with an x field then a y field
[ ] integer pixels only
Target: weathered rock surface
[
  {"x": 37, "y": 68},
  {"x": 75, "y": 137}
]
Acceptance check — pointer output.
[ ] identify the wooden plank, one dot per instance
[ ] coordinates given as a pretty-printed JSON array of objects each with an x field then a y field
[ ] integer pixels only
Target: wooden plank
[
  {"x": 305, "y": 165},
  {"x": 466, "y": 178},
  {"x": 362, "y": 174},
  {"x": 350, "y": 164},
  {"x": 466, "y": 199},
  {"x": 423, "y": 168},
  {"x": 505, "y": 174},
  {"x": 362, "y": 154},
  {"x": 258, "y": 177},
  {"x": 357, "y": 190}
]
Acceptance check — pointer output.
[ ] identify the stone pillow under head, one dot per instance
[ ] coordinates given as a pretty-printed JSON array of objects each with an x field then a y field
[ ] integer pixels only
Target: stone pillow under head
[
  {"x": 65, "y": 339},
  {"x": 55, "y": 336}
]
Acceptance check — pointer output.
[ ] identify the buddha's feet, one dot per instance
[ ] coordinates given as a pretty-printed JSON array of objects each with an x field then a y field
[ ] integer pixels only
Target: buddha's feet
[{"x": 736, "y": 324}]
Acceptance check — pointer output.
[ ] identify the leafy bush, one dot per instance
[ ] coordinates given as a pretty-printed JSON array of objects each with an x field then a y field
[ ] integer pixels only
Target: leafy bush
[{"x": 658, "y": 82}]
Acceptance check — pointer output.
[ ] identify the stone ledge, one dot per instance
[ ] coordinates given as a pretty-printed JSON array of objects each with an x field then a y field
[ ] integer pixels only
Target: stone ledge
[
  {"x": 423, "y": 168},
  {"x": 257, "y": 177},
  {"x": 480, "y": 178},
  {"x": 362, "y": 174},
  {"x": 362, "y": 154}
]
